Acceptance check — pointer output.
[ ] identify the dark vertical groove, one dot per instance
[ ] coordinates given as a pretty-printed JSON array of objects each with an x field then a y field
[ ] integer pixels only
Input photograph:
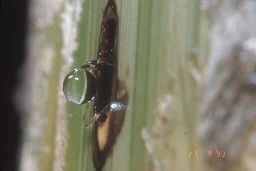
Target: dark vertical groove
[{"x": 14, "y": 24}]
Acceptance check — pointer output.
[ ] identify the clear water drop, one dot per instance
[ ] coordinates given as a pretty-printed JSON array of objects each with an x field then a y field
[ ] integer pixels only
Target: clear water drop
[{"x": 79, "y": 86}]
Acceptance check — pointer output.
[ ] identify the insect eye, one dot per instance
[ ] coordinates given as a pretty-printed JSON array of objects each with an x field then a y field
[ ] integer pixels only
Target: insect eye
[{"x": 79, "y": 86}]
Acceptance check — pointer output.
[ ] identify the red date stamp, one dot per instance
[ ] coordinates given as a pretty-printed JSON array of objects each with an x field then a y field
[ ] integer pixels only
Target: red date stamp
[{"x": 210, "y": 153}]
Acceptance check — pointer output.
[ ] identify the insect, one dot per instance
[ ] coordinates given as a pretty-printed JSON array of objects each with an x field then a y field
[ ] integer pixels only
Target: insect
[{"x": 104, "y": 88}]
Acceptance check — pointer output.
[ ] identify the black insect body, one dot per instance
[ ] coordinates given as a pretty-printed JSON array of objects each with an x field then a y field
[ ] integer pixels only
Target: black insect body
[
  {"x": 102, "y": 72},
  {"x": 104, "y": 69},
  {"x": 103, "y": 87}
]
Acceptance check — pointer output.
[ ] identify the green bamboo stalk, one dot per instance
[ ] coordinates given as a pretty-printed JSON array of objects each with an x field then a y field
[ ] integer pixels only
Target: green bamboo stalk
[{"x": 158, "y": 41}]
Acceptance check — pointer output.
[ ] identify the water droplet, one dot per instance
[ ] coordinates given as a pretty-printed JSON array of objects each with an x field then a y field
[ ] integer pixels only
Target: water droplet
[{"x": 79, "y": 86}]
